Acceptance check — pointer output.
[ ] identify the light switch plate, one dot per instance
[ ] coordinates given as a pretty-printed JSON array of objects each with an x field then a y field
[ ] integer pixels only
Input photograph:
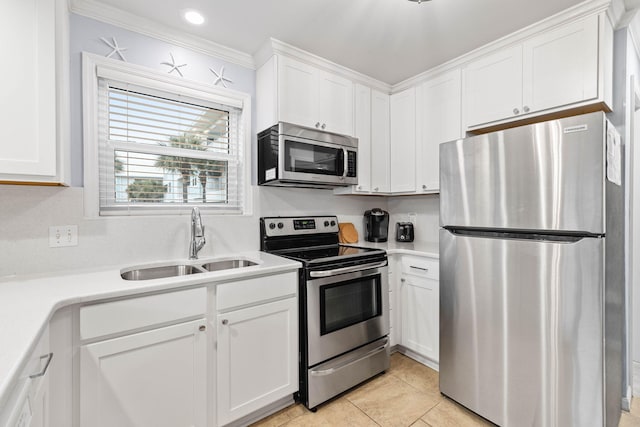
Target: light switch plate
[{"x": 63, "y": 235}]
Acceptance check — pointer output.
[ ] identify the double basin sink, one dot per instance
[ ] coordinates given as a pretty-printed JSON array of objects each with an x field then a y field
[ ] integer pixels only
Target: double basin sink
[{"x": 174, "y": 270}]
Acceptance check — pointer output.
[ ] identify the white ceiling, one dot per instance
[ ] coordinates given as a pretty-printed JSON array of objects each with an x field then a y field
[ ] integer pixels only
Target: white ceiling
[{"x": 390, "y": 40}]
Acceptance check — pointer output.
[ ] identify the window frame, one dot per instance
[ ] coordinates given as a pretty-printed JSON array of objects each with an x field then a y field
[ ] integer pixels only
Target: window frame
[{"x": 95, "y": 67}]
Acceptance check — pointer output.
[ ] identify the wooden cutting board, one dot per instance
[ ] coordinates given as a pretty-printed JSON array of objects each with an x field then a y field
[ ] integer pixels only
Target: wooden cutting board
[{"x": 348, "y": 233}]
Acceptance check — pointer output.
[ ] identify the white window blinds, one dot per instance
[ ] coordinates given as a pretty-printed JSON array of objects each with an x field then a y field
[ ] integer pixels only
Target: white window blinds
[{"x": 160, "y": 151}]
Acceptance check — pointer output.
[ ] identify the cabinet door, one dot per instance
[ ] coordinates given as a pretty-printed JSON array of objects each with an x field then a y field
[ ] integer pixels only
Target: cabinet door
[
  {"x": 420, "y": 315},
  {"x": 297, "y": 92},
  {"x": 363, "y": 133},
  {"x": 439, "y": 120},
  {"x": 154, "y": 378},
  {"x": 561, "y": 67},
  {"x": 335, "y": 103},
  {"x": 403, "y": 141},
  {"x": 28, "y": 102},
  {"x": 257, "y": 358},
  {"x": 380, "y": 176},
  {"x": 493, "y": 87}
]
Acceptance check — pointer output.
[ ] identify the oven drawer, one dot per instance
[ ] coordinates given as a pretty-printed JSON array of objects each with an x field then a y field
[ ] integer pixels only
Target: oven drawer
[{"x": 340, "y": 374}]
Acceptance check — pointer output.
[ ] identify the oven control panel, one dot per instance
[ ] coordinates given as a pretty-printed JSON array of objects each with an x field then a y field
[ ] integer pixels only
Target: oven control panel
[{"x": 291, "y": 226}]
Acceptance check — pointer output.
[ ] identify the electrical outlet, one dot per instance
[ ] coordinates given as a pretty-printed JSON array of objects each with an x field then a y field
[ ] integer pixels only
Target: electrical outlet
[
  {"x": 412, "y": 217},
  {"x": 63, "y": 235}
]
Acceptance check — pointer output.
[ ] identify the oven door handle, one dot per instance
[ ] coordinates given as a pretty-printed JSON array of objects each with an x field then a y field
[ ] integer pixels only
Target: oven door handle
[
  {"x": 358, "y": 358},
  {"x": 342, "y": 270}
]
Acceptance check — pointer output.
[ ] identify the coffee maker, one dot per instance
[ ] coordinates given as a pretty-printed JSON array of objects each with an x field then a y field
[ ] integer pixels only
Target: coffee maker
[{"x": 376, "y": 225}]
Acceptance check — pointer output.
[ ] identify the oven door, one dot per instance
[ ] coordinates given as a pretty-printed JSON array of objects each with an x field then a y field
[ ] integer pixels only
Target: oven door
[
  {"x": 346, "y": 311},
  {"x": 307, "y": 160}
]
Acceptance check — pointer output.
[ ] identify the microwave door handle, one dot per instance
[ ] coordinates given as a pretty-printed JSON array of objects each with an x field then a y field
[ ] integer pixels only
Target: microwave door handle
[{"x": 345, "y": 167}]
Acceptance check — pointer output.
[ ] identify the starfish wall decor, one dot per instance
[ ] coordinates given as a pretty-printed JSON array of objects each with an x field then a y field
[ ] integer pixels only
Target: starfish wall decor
[
  {"x": 116, "y": 49},
  {"x": 220, "y": 78},
  {"x": 173, "y": 65}
]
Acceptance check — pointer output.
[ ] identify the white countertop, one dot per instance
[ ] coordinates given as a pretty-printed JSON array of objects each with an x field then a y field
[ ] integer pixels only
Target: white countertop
[
  {"x": 429, "y": 249},
  {"x": 28, "y": 302}
]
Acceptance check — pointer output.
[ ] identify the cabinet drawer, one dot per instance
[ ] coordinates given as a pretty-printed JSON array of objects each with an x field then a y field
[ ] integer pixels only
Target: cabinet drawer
[
  {"x": 422, "y": 267},
  {"x": 253, "y": 291},
  {"x": 134, "y": 313}
]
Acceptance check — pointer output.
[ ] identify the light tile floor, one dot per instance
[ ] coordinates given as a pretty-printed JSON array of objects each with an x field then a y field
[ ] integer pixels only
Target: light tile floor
[{"x": 407, "y": 395}]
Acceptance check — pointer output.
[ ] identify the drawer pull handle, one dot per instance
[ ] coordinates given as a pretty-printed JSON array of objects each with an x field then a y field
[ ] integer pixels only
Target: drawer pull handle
[
  {"x": 225, "y": 322},
  {"x": 46, "y": 366},
  {"x": 419, "y": 268},
  {"x": 202, "y": 328}
]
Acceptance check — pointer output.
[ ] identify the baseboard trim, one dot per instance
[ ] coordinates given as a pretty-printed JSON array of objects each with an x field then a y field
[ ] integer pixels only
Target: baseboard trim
[
  {"x": 418, "y": 357},
  {"x": 263, "y": 413}
]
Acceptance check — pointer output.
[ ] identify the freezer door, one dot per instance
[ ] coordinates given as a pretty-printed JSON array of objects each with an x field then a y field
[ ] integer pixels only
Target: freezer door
[
  {"x": 546, "y": 176},
  {"x": 521, "y": 335}
]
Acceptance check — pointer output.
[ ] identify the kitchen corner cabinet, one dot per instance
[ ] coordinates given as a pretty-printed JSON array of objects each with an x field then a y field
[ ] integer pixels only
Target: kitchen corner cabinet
[
  {"x": 292, "y": 91},
  {"x": 403, "y": 141},
  {"x": 420, "y": 306},
  {"x": 438, "y": 105},
  {"x": 28, "y": 404},
  {"x": 149, "y": 374},
  {"x": 34, "y": 103},
  {"x": 559, "y": 69},
  {"x": 257, "y": 344},
  {"x": 372, "y": 130}
]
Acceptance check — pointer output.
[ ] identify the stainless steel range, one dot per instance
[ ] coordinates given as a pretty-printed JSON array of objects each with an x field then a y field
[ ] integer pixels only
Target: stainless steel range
[{"x": 344, "y": 304}]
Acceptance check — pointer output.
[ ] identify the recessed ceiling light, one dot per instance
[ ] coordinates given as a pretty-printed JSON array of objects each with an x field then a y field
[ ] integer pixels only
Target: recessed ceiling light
[
  {"x": 418, "y": 1},
  {"x": 194, "y": 17}
]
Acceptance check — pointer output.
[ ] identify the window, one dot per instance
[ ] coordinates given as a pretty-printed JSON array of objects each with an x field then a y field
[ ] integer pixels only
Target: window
[{"x": 155, "y": 143}]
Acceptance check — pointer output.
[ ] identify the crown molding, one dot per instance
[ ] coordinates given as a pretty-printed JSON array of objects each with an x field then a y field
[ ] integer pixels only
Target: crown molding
[
  {"x": 274, "y": 46},
  {"x": 142, "y": 25},
  {"x": 575, "y": 13}
]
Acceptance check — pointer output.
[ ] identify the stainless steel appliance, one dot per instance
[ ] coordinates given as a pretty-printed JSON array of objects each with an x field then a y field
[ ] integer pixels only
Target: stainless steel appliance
[
  {"x": 294, "y": 156},
  {"x": 404, "y": 232},
  {"x": 376, "y": 225},
  {"x": 531, "y": 274},
  {"x": 344, "y": 304}
]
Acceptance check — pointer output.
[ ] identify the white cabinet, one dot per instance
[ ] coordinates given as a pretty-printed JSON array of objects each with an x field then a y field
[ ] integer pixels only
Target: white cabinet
[
  {"x": 34, "y": 101},
  {"x": 362, "y": 107},
  {"x": 157, "y": 376},
  {"x": 558, "y": 69},
  {"x": 380, "y": 143},
  {"x": 292, "y": 91},
  {"x": 403, "y": 141},
  {"x": 28, "y": 403},
  {"x": 257, "y": 345},
  {"x": 394, "y": 322},
  {"x": 420, "y": 306},
  {"x": 152, "y": 378},
  {"x": 438, "y": 120}
]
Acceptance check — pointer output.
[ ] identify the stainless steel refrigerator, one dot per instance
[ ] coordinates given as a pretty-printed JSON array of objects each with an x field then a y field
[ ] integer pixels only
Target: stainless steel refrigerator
[{"x": 531, "y": 273}]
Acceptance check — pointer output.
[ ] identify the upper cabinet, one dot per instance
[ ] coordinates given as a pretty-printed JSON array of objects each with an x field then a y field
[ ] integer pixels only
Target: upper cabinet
[
  {"x": 33, "y": 108},
  {"x": 559, "y": 69},
  {"x": 293, "y": 91},
  {"x": 438, "y": 114},
  {"x": 403, "y": 139}
]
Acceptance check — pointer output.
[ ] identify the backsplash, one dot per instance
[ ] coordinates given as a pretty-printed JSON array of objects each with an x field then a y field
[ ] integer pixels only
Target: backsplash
[{"x": 27, "y": 212}]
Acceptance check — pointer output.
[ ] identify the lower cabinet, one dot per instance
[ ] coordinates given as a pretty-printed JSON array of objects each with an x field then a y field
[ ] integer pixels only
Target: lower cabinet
[
  {"x": 154, "y": 378},
  {"x": 420, "y": 306},
  {"x": 257, "y": 357}
]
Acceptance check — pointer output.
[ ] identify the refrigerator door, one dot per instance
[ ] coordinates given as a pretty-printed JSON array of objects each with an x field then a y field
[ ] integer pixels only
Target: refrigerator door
[
  {"x": 546, "y": 176},
  {"x": 521, "y": 329}
]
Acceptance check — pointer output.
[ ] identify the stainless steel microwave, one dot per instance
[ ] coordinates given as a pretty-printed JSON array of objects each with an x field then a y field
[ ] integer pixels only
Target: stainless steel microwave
[{"x": 295, "y": 156}]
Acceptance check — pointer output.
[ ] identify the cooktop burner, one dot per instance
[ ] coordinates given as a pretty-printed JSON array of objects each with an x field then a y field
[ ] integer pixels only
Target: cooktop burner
[{"x": 324, "y": 252}]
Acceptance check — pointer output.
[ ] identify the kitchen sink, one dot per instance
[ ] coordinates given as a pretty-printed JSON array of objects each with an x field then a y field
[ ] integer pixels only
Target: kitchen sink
[
  {"x": 174, "y": 270},
  {"x": 160, "y": 272},
  {"x": 226, "y": 264}
]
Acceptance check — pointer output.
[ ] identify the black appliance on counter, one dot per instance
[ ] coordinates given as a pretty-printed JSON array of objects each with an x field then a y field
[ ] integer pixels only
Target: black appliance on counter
[
  {"x": 404, "y": 232},
  {"x": 343, "y": 304},
  {"x": 376, "y": 225}
]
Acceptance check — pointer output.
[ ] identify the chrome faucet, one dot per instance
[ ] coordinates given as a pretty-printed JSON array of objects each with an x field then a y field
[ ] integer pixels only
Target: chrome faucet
[{"x": 197, "y": 234}]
